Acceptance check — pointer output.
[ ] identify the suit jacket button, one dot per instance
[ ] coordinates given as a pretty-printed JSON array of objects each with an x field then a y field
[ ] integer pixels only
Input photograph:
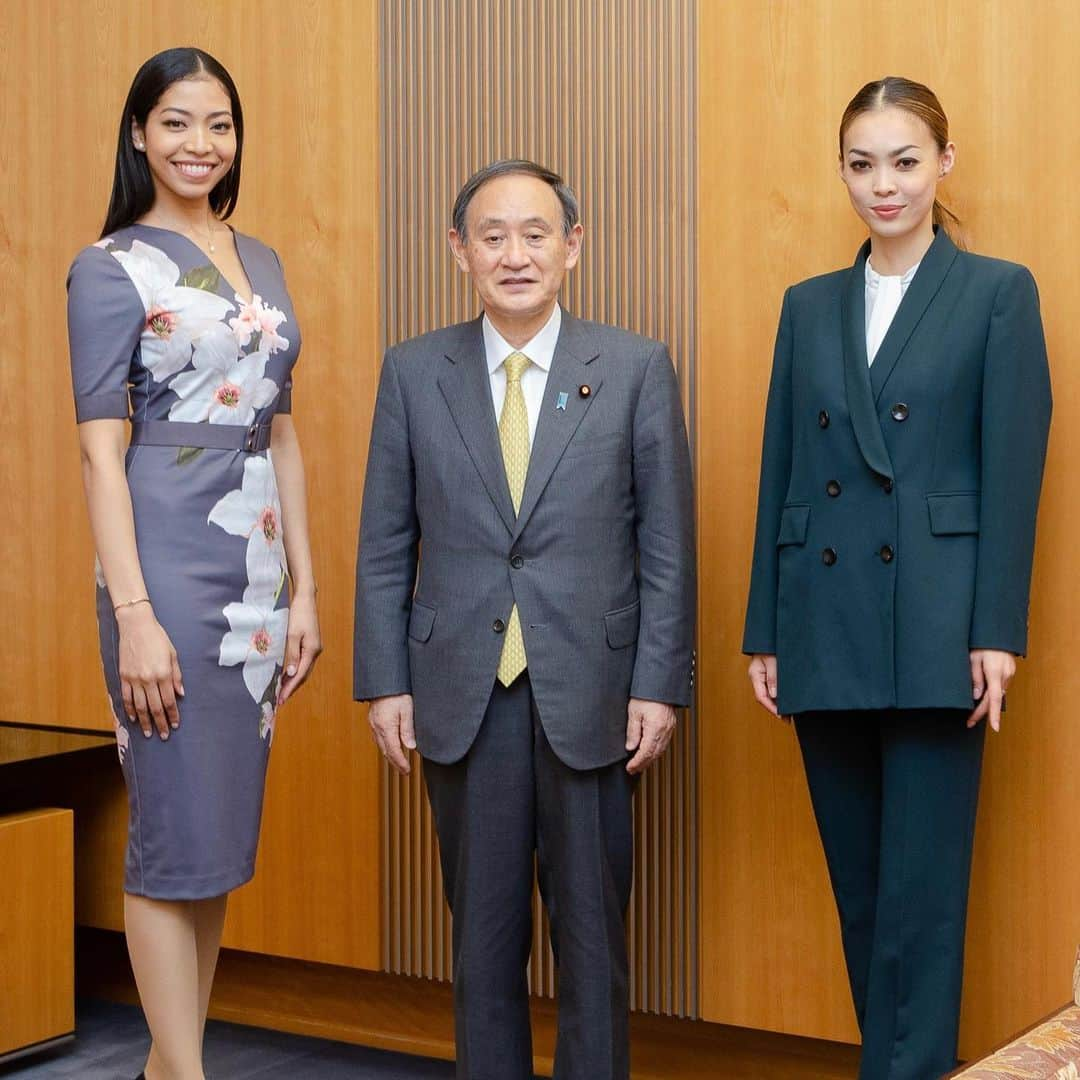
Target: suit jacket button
[
  {"x": 517, "y": 562},
  {"x": 832, "y": 489},
  {"x": 823, "y": 419},
  {"x": 886, "y": 486},
  {"x": 828, "y": 556},
  {"x": 498, "y": 626},
  {"x": 886, "y": 554},
  {"x": 899, "y": 412}
]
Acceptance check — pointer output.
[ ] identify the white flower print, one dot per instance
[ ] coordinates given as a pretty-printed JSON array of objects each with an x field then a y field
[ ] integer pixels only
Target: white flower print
[
  {"x": 266, "y": 722},
  {"x": 258, "y": 318},
  {"x": 224, "y": 387},
  {"x": 123, "y": 739},
  {"x": 254, "y": 511},
  {"x": 256, "y": 639},
  {"x": 176, "y": 315}
]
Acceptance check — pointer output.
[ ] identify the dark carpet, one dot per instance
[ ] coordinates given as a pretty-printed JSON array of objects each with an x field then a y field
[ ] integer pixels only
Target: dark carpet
[{"x": 112, "y": 1042}]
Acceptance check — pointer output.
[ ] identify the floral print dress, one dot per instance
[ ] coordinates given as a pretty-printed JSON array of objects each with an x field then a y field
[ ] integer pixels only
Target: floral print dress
[{"x": 158, "y": 335}]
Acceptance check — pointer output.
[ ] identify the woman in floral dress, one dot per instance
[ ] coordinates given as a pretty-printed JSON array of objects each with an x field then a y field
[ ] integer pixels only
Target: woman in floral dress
[{"x": 185, "y": 328}]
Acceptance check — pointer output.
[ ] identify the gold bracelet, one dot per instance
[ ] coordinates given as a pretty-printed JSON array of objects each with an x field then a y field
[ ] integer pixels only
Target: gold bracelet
[{"x": 130, "y": 603}]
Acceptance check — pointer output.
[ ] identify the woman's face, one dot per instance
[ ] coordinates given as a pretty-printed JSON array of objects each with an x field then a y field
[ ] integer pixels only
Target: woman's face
[
  {"x": 189, "y": 139},
  {"x": 891, "y": 166}
]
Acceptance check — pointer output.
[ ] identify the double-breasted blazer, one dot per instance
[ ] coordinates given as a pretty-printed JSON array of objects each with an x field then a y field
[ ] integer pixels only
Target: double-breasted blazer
[
  {"x": 897, "y": 503},
  {"x": 599, "y": 559}
]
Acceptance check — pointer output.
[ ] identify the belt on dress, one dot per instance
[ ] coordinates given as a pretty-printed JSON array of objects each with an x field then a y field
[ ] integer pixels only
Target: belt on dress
[{"x": 204, "y": 436}]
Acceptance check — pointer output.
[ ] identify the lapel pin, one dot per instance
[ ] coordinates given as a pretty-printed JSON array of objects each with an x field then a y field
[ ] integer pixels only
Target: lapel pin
[
  {"x": 585, "y": 390},
  {"x": 561, "y": 402}
]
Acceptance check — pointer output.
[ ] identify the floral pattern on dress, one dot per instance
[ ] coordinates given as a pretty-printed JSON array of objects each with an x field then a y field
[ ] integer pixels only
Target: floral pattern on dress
[
  {"x": 123, "y": 739},
  {"x": 256, "y": 639},
  {"x": 219, "y": 362},
  {"x": 260, "y": 321},
  {"x": 213, "y": 353},
  {"x": 253, "y": 511},
  {"x": 178, "y": 315},
  {"x": 223, "y": 387},
  {"x": 257, "y": 628}
]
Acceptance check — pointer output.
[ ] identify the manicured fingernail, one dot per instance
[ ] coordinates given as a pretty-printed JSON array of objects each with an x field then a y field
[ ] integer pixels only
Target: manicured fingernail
[
  {"x": 164, "y": 736},
  {"x": 174, "y": 724},
  {"x": 410, "y": 743},
  {"x": 181, "y": 690},
  {"x": 147, "y": 734},
  {"x": 291, "y": 670}
]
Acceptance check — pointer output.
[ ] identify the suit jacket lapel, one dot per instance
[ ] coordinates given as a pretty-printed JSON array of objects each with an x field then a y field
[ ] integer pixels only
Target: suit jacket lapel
[
  {"x": 923, "y": 288},
  {"x": 575, "y": 351},
  {"x": 860, "y": 397},
  {"x": 466, "y": 386}
]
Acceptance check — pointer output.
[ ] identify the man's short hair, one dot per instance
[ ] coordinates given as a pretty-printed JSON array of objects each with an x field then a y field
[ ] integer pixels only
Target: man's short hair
[{"x": 515, "y": 167}]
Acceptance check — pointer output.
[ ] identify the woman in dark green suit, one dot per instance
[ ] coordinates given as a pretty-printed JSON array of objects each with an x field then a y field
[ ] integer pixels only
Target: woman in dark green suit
[{"x": 905, "y": 435}]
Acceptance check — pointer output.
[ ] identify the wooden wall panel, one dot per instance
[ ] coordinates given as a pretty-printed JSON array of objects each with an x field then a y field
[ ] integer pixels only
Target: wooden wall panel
[
  {"x": 775, "y": 78},
  {"x": 308, "y": 76},
  {"x": 604, "y": 94},
  {"x": 37, "y": 931}
]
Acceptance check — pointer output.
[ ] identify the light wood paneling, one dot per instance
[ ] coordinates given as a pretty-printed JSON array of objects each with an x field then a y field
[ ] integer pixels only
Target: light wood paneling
[
  {"x": 37, "y": 927},
  {"x": 604, "y": 94},
  {"x": 775, "y": 79},
  {"x": 307, "y": 74}
]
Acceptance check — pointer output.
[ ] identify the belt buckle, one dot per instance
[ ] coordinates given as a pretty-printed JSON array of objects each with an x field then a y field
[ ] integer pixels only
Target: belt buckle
[{"x": 249, "y": 443}]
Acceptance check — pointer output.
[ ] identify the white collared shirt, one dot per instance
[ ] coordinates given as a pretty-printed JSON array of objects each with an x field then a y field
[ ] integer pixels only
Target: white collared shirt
[
  {"x": 540, "y": 350},
  {"x": 883, "y": 296}
]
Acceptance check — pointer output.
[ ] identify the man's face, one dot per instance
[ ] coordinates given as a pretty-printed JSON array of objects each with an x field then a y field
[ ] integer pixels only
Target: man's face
[{"x": 515, "y": 249}]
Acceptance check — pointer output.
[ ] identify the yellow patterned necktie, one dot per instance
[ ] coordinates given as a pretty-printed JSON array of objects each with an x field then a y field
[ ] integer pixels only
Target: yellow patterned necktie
[{"x": 514, "y": 440}]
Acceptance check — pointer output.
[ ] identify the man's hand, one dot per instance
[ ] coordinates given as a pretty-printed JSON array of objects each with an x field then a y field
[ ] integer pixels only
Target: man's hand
[
  {"x": 391, "y": 720},
  {"x": 991, "y": 672},
  {"x": 649, "y": 728}
]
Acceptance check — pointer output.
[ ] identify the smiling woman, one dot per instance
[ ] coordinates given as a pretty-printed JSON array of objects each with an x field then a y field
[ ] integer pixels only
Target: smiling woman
[{"x": 187, "y": 327}]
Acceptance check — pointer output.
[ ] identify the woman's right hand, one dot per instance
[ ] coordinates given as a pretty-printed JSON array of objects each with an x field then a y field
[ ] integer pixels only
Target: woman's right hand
[
  {"x": 149, "y": 671},
  {"x": 763, "y": 679}
]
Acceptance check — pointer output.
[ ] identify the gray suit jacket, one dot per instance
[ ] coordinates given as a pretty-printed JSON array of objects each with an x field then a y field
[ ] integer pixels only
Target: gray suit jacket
[{"x": 600, "y": 560}]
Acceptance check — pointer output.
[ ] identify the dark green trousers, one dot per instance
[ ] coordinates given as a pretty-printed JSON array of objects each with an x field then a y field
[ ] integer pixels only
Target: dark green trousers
[{"x": 895, "y": 794}]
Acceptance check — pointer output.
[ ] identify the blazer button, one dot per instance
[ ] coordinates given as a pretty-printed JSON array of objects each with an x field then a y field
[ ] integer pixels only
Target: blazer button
[
  {"x": 832, "y": 489},
  {"x": 886, "y": 486},
  {"x": 498, "y": 626},
  {"x": 517, "y": 562},
  {"x": 823, "y": 419},
  {"x": 828, "y": 556},
  {"x": 899, "y": 412},
  {"x": 886, "y": 554}
]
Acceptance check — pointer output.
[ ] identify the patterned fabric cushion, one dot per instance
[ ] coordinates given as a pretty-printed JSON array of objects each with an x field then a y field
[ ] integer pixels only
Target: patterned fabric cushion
[{"x": 1049, "y": 1051}]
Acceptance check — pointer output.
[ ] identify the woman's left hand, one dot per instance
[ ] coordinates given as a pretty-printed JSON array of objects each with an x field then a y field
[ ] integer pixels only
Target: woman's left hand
[
  {"x": 302, "y": 646},
  {"x": 991, "y": 672}
]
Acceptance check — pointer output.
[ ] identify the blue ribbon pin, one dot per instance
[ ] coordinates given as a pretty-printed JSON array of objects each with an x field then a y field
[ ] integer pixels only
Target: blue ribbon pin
[{"x": 561, "y": 402}]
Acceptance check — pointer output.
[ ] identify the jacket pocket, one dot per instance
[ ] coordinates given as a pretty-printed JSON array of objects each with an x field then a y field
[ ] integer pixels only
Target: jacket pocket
[
  {"x": 953, "y": 513},
  {"x": 793, "y": 524},
  {"x": 612, "y": 444},
  {"x": 621, "y": 625},
  {"x": 421, "y": 620}
]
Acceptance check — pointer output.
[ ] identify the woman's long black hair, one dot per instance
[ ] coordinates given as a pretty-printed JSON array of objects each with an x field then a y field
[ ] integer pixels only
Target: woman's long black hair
[{"x": 133, "y": 186}]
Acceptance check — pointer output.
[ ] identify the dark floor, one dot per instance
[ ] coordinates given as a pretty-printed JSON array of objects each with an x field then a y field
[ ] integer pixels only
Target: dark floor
[{"x": 112, "y": 1042}]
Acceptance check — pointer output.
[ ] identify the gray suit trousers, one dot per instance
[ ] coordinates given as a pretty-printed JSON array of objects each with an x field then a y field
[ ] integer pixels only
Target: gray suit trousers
[{"x": 509, "y": 797}]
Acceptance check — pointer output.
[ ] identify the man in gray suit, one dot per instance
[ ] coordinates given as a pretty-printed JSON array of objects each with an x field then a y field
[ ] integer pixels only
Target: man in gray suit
[{"x": 524, "y": 615}]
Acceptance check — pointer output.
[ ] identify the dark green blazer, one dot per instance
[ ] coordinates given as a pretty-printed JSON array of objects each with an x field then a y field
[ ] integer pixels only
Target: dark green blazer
[{"x": 896, "y": 511}]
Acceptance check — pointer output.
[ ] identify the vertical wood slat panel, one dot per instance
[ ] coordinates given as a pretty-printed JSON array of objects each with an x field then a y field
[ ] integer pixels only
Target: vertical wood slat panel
[{"x": 605, "y": 94}]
